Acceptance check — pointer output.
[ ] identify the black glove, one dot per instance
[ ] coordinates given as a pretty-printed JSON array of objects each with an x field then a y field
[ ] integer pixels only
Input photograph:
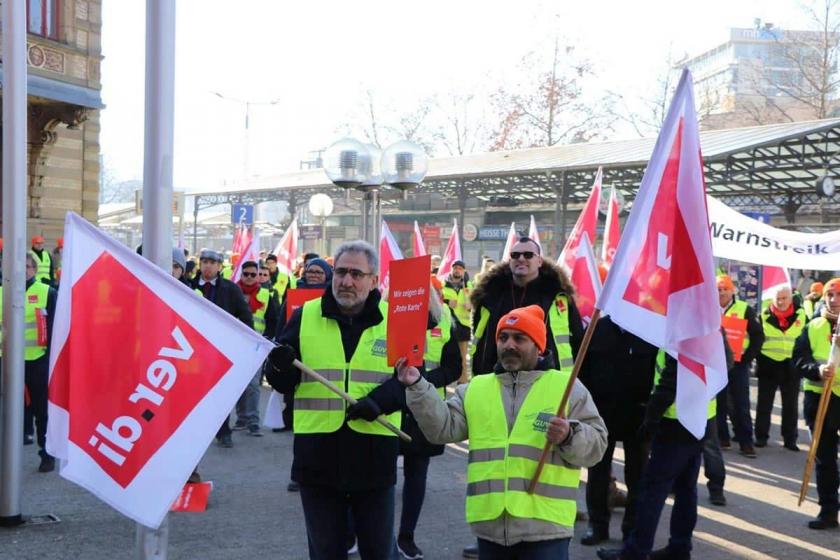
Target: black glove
[
  {"x": 281, "y": 357},
  {"x": 365, "y": 409}
]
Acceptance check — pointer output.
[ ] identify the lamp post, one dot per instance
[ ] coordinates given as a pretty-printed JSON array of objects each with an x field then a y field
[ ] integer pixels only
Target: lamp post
[
  {"x": 246, "y": 171},
  {"x": 321, "y": 206}
]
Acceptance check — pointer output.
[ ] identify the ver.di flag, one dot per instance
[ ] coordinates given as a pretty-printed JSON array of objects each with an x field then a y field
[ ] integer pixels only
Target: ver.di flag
[
  {"x": 772, "y": 279},
  {"x": 511, "y": 240},
  {"x": 142, "y": 373},
  {"x": 286, "y": 250},
  {"x": 586, "y": 223},
  {"x": 534, "y": 233},
  {"x": 452, "y": 253},
  {"x": 661, "y": 286},
  {"x": 388, "y": 251},
  {"x": 419, "y": 249},
  {"x": 251, "y": 253},
  {"x": 609, "y": 243}
]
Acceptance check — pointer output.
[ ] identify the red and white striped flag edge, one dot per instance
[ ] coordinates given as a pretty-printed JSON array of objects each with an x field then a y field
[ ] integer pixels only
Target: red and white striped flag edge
[
  {"x": 585, "y": 279},
  {"x": 534, "y": 233},
  {"x": 773, "y": 278},
  {"x": 452, "y": 253},
  {"x": 609, "y": 243},
  {"x": 587, "y": 223},
  {"x": 511, "y": 240},
  {"x": 251, "y": 253},
  {"x": 661, "y": 285},
  {"x": 286, "y": 250},
  {"x": 389, "y": 251},
  {"x": 142, "y": 373},
  {"x": 419, "y": 249}
]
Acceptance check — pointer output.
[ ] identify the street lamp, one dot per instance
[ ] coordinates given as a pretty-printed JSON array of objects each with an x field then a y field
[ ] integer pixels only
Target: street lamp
[
  {"x": 248, "y": 104},
  {"x": 321, "y": 206}
]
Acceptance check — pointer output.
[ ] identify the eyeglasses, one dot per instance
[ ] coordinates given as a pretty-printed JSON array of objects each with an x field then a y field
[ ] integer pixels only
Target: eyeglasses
[
  {"x": 317, "y": 272},
  {"x": 249, "y": 274},
  {"x": 354, "y": 272},
  {"x": 514, "y": 255}
]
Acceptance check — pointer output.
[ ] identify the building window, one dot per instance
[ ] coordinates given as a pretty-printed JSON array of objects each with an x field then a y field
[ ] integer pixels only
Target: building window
[{"x": 42, "y": 17}]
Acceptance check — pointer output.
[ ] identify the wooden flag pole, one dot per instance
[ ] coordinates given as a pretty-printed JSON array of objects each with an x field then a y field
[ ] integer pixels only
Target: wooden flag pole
[
  {"x": 584, "y": 347},
  {"x": 332, "y": 387},
  {"x": 825, "y": 398}
]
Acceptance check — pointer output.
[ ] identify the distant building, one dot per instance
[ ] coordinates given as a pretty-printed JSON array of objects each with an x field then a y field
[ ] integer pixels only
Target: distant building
[
  {"x": 765, "y": 75},
  {"x": 64, "y": 56}
]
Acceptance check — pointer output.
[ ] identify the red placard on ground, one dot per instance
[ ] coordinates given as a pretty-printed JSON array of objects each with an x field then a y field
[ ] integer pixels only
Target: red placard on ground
[
  {"x": 408, "y": 309},
  {"x": 298, "y": 296},
  {"x": 193, "y": 497}
]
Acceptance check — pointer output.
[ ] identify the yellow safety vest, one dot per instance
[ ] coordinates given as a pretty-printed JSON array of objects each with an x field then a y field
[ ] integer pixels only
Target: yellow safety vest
[
  {"x": 263, "y": 296},
  {"x": 671, "y": 412},
  {"x": 778, "y": 344},
  {"x": 36, "y": 298},
  {"x": 436, "y": 339},
  {"x": 739, "y": 310},
  {"x": 558, "y": 320},
  {"x": 284, "y": 281},
  {"x": 819, "y": 338},
  {"x": 227, "y": 271},
  {"x": 501, "y": 464},
  {"x": 43, "y": 270},
  {"x": 319, "y": 410},
  {"x": 808, "y": 307},
  {"x": 461, "y": 298}
]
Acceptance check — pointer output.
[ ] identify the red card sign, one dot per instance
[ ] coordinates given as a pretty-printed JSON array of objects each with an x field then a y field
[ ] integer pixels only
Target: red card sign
[
  {"x": 408, "y": 309},
  {"x": 736, "y": 332},
  {"x": 295, "y": 298},
  {"x": 193, "y": 497}
]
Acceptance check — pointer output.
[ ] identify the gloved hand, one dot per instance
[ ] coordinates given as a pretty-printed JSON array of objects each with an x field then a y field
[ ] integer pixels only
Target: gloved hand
[
  {"x": 281, "y": 357},
  {"x": 364, "y": 409}
]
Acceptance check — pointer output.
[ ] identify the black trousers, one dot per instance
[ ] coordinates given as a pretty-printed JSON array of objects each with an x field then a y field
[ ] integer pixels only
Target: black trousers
[
  {"x": 36, "y": 375},
  {"x": 772, "y": 377},
  {"x": 636, "y": 453},
  {"x": 828, "y": 480}
]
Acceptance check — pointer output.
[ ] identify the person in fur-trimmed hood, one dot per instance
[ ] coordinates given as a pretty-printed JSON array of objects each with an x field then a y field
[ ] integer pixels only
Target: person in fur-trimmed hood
[{"x": 526, "y": 279}]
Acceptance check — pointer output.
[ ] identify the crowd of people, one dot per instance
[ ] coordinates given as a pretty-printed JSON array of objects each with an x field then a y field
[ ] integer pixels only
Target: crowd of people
[{"x": 504, "y": 344}]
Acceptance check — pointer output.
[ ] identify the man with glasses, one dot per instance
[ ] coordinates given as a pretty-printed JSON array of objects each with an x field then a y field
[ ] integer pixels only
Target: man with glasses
[
  {"x": 343, "y": 460},
  {"x": 229, "y": 297}
]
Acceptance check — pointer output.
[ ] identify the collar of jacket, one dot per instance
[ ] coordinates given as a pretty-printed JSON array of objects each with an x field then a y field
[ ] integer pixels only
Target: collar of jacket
[
  {"x": 369, "y": 316},
  {"x": 551, "y": 278},
  {"x": 542, "y": 365}
]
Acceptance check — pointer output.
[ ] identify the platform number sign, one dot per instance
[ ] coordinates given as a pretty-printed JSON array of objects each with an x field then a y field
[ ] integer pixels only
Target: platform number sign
[{"x": 242, "y": 214}]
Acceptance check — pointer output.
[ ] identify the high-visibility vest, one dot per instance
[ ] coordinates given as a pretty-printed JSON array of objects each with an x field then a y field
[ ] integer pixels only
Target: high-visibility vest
[
  {"x": 319, "y": 410},
  {"x": 43, "y": 265},
  {"x": 35, "y": 325},
  {"x": 436, "y": 339},
  {"x": 739, "y": 310},
  {"x": 778, "y": 344},
  {"x": 461, "y": 299},
  {"x": 558, "y": 320},
  {"x": 284, "y": 282},
  {"x": 671, "y": 412},
  {"x": 819, "y": 337},
  {"x": 501, "y": 464},
  {"x": 227, "y": 271},
  {"x": 808, "y": 307},
  {"x": 263, "y": 296}
]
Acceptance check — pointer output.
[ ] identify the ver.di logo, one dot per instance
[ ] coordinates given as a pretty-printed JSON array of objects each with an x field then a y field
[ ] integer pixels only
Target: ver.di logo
[
  {"x": 380, "y": 348},
  {"x": 540, "y": 421}
]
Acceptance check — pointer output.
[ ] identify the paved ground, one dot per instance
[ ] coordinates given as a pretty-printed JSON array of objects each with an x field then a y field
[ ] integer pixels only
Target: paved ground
[{"x": 252, "y": 515}]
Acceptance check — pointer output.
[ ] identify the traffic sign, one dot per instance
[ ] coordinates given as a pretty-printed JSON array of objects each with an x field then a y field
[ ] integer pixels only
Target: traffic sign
[{"x": 242, "y": 214}]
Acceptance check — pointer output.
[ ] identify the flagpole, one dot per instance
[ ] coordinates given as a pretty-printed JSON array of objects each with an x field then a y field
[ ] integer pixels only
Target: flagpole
[
  {"x": 157, "y": 185},
  {"x": 14, "y": 274},
  {"x": 581, "y": 355}
]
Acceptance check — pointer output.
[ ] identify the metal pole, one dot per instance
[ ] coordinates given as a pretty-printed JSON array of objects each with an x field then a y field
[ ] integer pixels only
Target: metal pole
[
  {"x": 377, "y": 220},
  {"x": 195, "y": 225},
  {"x": 364, "y": 213},
  {"x": 157, "y": 183},
  {"x": 14, "y": 274}
]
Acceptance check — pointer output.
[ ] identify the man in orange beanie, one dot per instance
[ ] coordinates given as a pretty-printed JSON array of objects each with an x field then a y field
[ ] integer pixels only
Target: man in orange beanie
[{"x": 508, "y": 417}]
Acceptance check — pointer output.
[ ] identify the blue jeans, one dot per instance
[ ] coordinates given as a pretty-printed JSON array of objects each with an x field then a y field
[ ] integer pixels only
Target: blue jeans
[
  {"x": 671, "y": 466},
  {"x": 325, "y": 512},
  {"x": 556, "y": 549},
  {"x": 734, "y": 401},
  {"x": 248, "y": 405}
]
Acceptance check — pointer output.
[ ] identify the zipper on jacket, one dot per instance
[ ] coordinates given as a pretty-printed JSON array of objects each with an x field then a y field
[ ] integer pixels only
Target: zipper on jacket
[{"x": 515, "y": 376}]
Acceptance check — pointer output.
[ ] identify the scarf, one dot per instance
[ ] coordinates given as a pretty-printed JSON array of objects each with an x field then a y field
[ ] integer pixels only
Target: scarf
[
  {"x": 251, "y": 293},
  {"x": 826, "y": 313},
  {"x": 782, "y": 316}
]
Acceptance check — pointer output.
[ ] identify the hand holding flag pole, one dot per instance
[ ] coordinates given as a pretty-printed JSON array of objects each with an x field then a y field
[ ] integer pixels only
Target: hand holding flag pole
[{"x": 332, "y": 387}]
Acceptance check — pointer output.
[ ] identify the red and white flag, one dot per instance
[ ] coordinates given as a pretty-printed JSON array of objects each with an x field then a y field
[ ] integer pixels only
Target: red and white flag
[
  {"x": 587, "y": 223},
  {"x": 773, "y": 278},
  {"x": 241, "y": 239},
  {"x": 388, "y": 251},
  {"x": 586, "y": 280},
  {"x": 611, "y": 233},
  {"x": 512, "y": 238},
  {"x": 662, "y": 286},
  {"x": 452, "y": 253},
  {"x": 534, "y": 233},
  {"x": 286, "y": 250},
  {"x": 142, "y": 373},
  {"x": 250, "y": 253},
  {"x": 419, "y": 247}
]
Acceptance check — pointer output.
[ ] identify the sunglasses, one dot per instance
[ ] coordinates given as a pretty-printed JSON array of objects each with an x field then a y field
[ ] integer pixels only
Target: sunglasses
[
  {"x": 355, "y": 273},
  {"x": 514, "y": 255},
  {"x": 249, "y": 274}
]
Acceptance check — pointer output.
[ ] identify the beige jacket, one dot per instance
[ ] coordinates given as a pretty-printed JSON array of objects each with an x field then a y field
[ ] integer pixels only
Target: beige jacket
[{"x": 446, "y": 422}]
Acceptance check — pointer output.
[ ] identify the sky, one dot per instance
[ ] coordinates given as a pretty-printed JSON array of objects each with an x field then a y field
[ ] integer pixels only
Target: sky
[{"x": 317, "y": 59}]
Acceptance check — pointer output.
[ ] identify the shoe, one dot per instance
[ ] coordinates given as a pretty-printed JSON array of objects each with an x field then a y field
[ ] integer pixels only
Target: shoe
[
  {"x": 667, "y": 554},
  {"x": 821, "y": 524},
  {"x": 717, "y": 499},
  {"x": 47, "y": 463},
  {"x": 726, "y": 444},
  {"x": 749, "y": 452},
  {"x": 610, "y": 553},
  {"x": 225, "y": 441},
  {"x": 293, "y": 487},
  {"x": 194, "y": 478},
  {"x": 239, "y": 427},
  {"x": 761, "y": 443},
  {"x": 254, "y": 430},
  {"x": 28, "y": 439},
  {"x": 595, "y": 535},
  {"x": 791, "y": 447},
  {"x": 470, "y": 551},
  {"x": 352, "y": 549},
  {"x": 408, "y": 549}
]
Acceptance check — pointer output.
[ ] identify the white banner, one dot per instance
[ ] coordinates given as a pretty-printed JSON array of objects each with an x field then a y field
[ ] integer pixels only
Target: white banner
[{"x": 739, "y": 237}]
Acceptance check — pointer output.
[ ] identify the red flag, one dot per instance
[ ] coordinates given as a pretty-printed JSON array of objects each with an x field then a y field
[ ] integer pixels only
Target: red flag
[
  {"x": 419, "y": 248},
  {"x": 241, "y": 239},
  {"x": 661, "y": 285},
  {"x": 250, "y": 253},
  {"x": 534, "y": 234},
  {"x": 611, "y": 233},
  {"x": 586, "y": 223},
  {"x": 773, "y": 278},
  {"x": 286, "y": 250},
  {"x": 452, "y": 253},
  {"x": 586, "y": 280},
  {"x": 512, "y": 238},
  {"x": 388, "y": 251},
  {"x": 142, "y": 373}
]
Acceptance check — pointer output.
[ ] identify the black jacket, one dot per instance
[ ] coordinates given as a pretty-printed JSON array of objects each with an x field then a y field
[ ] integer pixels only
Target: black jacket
[
  {"x": 496, "y": 292},
  {"x": 229, "y": 297},
  {"x": 755, "y": 332},
  {"x": 345, "y": 459},
  {"x": 803, "y": 358},
  {"x": 668, "y": 430}
]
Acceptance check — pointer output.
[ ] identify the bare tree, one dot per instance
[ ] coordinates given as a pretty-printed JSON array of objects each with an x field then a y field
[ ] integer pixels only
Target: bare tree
[
  {"x": 462, "y": 129},
  {"x": 646, "y": 114}
]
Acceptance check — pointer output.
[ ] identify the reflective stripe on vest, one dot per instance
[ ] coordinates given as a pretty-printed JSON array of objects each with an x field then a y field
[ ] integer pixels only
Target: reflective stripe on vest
[
  {"x": 36, "y": 298},
  {"x": 263, "y": 296},
  {"x": 43, "y": 266},
  {"x": 319, "y": 410},
  {"x": 436, "y": 339},
  {"x": 819, "y": 338},
  {"x": 778, "y": 344},
  {"x": 501, "y": 464},
  {"x": 483, "y": 319},
  {"x": 739, "y": 310},
  {"x": 671, "y": 412}
]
